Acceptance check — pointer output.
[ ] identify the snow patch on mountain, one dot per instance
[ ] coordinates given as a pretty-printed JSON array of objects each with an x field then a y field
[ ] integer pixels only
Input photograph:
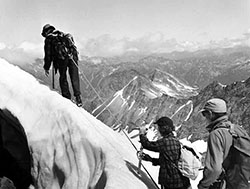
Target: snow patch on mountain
[{"x": 170, "y": 85}]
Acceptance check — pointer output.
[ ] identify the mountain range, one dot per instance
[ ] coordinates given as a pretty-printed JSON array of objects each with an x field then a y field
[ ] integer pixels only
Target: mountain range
[{"x": 124, "y": 92}]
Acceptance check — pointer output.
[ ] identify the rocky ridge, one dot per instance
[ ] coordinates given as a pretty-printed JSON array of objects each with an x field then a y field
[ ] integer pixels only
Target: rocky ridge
[{"x": 121, "y": 101}]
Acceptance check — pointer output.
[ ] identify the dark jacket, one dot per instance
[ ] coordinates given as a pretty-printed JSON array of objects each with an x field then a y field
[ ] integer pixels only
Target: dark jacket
[
  {"x": 169, "y": 175},
  {"x": 50, "y": 53}
]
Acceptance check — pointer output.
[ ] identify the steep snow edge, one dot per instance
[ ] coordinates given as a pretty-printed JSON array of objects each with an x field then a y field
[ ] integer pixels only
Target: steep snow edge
[{"x": 70, "y": 148}]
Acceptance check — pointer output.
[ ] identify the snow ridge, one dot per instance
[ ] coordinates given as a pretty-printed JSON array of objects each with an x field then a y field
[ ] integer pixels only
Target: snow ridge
[{"x": 70, "y": 148}]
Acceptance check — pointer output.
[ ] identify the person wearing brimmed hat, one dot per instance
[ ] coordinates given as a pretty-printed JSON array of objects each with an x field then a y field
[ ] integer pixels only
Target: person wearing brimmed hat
[
  {"x": 62, "y": 60},
  {"x": 217, "y": 172},
  {"x": 169, "y": 177}
]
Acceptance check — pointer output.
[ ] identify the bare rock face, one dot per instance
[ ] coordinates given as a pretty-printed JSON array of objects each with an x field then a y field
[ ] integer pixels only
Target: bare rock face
[
  {"x": 199, "y": 69},
  {"x": 162, "y": 87},
  {"x": 237, "y": 97},
  {"x": 69, "y": 147},
  {"x": 132, "y": 106}
]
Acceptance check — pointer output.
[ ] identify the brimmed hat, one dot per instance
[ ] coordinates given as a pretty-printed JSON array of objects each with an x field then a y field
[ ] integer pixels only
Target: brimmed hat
[
  {"x": 215, "y": 105},
  {"x": 46, "y": 28}
]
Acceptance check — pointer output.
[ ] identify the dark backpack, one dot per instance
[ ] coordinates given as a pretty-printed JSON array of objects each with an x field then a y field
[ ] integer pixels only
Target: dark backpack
[
  {"x": 15, "y": 157},
  {"x": 64, "y": 46},
  {"x": 237, "y": 164}
]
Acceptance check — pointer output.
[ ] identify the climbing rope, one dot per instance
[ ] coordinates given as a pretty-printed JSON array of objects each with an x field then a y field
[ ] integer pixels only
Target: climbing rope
[{"x": 140, "y": 164}]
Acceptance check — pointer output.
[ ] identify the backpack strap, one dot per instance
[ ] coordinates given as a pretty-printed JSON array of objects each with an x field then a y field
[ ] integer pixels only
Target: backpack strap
[
  {"x": 170, "y": 160},
  {"x": 232, "y": 131},
  {"x": 191, "y": 150}
]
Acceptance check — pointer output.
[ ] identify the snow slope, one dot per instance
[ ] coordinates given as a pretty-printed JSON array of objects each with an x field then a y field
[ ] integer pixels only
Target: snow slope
[{"x": 70, "y": 148}]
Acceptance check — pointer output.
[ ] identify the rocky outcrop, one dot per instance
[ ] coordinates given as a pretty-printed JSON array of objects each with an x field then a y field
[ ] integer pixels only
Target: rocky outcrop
[
  {"x": 117, "y": 101},
  {"x": 237, "y": 96},
  {"x": 196, "y": 69},
  {"x": 137, "y": 108}
]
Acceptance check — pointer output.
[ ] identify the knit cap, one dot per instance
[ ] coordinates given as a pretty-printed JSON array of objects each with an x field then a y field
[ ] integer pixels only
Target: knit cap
[{"x": 215, "y": 105}]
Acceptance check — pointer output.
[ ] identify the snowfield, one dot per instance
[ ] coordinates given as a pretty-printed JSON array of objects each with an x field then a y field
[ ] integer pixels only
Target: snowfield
[{"x": 71, "y": 149}]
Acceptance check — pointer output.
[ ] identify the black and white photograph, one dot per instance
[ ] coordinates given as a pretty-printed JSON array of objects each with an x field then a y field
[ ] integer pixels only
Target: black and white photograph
[{"x": 125, "y": 94}]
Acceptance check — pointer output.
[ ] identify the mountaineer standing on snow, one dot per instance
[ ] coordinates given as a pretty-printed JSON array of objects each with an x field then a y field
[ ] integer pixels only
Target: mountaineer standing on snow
[
  {"x": 60, "y": 49},
  {"x": 169, "y": 176}
]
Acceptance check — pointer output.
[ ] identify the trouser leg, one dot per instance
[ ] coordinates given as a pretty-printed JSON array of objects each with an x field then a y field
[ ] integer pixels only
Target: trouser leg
[
  {"x": 63, "y": 82},
  {"x": 74, "y": 76}
]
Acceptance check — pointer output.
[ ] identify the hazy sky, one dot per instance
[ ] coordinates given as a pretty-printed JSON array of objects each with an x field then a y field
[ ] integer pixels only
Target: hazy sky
[{"x": 120, "y": 22}]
